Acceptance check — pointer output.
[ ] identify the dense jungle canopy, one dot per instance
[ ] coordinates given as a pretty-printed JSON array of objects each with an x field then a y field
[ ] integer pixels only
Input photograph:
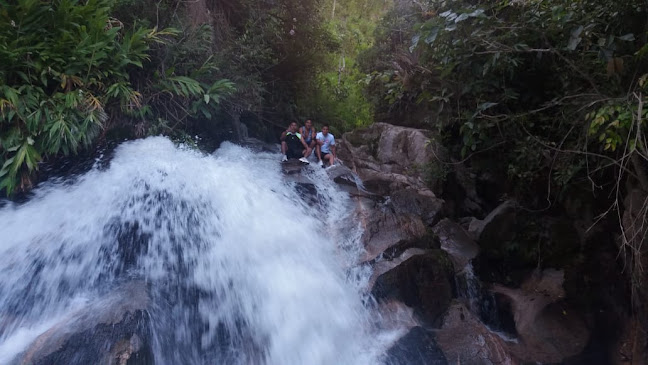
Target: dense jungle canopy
[{"x": 558, "y": 88}]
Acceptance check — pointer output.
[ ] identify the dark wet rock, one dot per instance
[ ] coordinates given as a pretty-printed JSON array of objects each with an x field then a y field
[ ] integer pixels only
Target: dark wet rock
[
  {"x": 345, "y": 180},
  {"x": 348, "y": 181},
  {"x": 465, "y": 340},
  {"x": 417, "y": 347},
  {"x": 308, "y": 192},
  {"x": 383, "y": 227},
  {"x": 422, "y": 203},
  {"x": 395, "y": 315},
  {"x": 342, "y": 175},
  {"x": 388, "y": 158},
  {"x": 382, "y": 266},
  {"x": 498, "y": 226},
  {"x": 110, "y": 344},
  {"x": 112, "y": 331},
  {"x": 456, "y": 241},
  {"x": 402, "y": 217},
  {"x": 427, "y": 242},
  {"x": 424, "y": 282},
  {"x": 292, "y": 166}
]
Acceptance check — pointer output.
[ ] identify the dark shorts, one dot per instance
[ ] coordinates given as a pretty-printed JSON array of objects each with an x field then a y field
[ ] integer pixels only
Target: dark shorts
[
  {"x": 324, "y": 154},
  {"x": 295, "y": 154}
]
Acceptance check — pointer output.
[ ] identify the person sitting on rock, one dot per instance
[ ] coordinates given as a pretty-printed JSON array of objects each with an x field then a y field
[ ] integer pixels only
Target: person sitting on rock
[
  {"x": 293, "y": 145},
  {"x": 309, "y": 134},
  {"x": 325, "y": 146}
]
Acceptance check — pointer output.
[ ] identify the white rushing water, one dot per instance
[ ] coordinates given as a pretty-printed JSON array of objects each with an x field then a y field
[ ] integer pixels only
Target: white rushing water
[{"x": 239, "y": 268}]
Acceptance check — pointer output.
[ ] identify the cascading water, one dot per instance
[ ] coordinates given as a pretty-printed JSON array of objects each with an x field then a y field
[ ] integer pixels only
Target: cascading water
[
  {"x": 235, "y": 266},
  {"x": 482, "y": 303}
]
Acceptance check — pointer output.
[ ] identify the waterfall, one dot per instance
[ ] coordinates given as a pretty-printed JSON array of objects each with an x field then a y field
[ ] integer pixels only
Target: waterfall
[
  {"x": 236, "y": 266},
  {"x": 469, "y": 288},
  {"x": 482, "y": 303}
]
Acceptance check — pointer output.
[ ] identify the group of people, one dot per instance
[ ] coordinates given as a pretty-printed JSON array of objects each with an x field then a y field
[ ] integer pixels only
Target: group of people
[{"x": 299, "y": 143}]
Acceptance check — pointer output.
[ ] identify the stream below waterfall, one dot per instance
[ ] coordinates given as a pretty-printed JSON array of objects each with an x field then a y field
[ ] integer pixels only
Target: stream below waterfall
[{"x": 220, "y": 254}]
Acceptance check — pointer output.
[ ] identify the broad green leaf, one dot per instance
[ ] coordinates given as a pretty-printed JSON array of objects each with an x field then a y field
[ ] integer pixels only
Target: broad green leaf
[
  {"x": 432, "y": 35},
  {"x": 7, "y": 163}
]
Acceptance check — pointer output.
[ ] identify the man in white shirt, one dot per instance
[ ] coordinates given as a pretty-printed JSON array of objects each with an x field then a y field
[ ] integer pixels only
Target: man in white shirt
[{"x": 325, "y": 146}]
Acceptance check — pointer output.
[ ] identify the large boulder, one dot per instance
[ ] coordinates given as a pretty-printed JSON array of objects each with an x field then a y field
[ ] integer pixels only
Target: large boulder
[
  {"x": 424, "y": 282},
  {"x": 498, "y": 226},
  {"x": 404, "y": 216},
  {"x": 392, "y": 163},
  {"x": 417, "y": 347},
  {"x": 421, "y": 203},
  {"x": 549, "y": 330},
  {"x": 382, "y": 266},
  {"x": 383, "y": 227},
  {"x": 388, "y": 157},
  {"x": 465, "y": 340}
]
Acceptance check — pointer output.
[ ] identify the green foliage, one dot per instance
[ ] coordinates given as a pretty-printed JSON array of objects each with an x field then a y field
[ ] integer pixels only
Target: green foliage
[
  {"x": 612, "y": 124},
  {"x": 275, "y": 55},
  {"x": 62, "y": 64},
  {"x": 337, "y": 100},
  {"x": 68, "y": 69},
  {"x": 336, "y": 97},
  {"x": 555, "y": 87}
]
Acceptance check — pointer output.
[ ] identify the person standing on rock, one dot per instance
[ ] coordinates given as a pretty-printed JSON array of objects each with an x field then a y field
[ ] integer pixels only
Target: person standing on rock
[
  {"x": 325, "y": 146},
  {"x": 293, "y": 145},
  {"x": 309, "y": 134}
]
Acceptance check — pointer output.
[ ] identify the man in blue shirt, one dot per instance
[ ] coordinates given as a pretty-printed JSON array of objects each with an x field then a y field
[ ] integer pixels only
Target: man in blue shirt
[{"x": 325, "y": 146}]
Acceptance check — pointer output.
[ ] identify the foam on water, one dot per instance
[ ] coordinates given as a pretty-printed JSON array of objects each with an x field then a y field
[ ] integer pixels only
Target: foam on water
[{"x": 239, "y": 268}]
